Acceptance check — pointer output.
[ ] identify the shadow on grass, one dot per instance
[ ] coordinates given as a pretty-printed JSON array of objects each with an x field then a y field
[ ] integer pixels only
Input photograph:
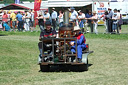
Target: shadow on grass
[
  {"x": 65, "y": 68},
  {"x": 3, "y": 35}
]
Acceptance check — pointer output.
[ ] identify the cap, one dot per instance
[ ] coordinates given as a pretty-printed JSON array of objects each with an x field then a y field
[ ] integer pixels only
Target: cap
[
  {"x": 46, "y": 11},
  {"x": 115, "y": 9},
  {"x": 72, "y": 8},
  {"x": 76, "y": 28},
  {"x": 53, "y": 8},
  {"x": 47, "y": 23}
]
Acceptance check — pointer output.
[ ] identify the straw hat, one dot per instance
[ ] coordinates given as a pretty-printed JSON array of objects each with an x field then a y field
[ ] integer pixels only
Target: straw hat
[
  {"x": 94, "y": 12},
  {"x": 76, "y": 28},
  {"x": 53, "y": 8},
  {"x": 79, "y": 11}
]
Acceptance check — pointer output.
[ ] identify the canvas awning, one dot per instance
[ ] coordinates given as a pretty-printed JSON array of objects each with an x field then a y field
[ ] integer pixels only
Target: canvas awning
[{"x": 68, "y": 4}]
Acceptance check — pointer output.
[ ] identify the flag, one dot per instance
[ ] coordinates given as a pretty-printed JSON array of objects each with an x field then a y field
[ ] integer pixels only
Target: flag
[
  {"x": 37, "y": 4},
  {"x": 17, "y": 1}
]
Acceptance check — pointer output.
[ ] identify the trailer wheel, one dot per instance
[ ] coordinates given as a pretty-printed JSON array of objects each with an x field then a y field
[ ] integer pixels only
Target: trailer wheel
[{"x": 44, "y": 68}]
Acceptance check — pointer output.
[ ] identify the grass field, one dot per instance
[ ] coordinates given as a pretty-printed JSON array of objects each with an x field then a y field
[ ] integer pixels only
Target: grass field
[{"x": 18, "y": 61}]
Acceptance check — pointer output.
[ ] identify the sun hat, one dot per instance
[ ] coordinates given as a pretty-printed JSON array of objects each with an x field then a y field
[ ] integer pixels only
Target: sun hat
[
  {"x": 94, "y": 12},
  {"x": 76, "y": 28},
  {"x": 53, "y": 8},
  {"x": 79, "y": 11},
  {"x": 72, "y": 8}
]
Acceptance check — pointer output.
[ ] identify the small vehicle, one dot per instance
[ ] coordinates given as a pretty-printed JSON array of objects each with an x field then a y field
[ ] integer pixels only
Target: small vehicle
[{"x": 60, "y": 56}]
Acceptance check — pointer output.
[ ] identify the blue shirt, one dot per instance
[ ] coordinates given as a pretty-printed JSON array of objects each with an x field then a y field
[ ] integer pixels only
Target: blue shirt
[
  {"x": 88, "y": 16},
  {"x": 19, "y": 17},
  {"x": 7, "y": 28}
]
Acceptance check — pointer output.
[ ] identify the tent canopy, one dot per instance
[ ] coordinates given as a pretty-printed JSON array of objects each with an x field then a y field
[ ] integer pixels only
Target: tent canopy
[
  {"x": 14, "y": 6},
  {"x": 68, "y": 4}
]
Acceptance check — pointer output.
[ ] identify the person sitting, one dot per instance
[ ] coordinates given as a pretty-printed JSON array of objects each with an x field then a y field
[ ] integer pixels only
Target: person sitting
[
  {"x": 6, "y": 27},
  {"x": 48, "y": 32},
  {"x": 80, "y": 43}
]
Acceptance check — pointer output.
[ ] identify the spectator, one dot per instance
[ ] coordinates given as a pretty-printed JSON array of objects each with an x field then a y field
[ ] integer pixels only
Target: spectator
[
  {"x": 105, "y": 20},
  {"x": 27, "y": 17},
  {"x": 73, "y": 17},
  {"x": 20, "y": 21},
  {"x": 95, "y": 19},
  {"x": 120, "y": 21},
  {"x": 109, "y": 16},
  {"x": 89, "y": 15},
  {"x": 46, "y": 16},
  {"x": 60, "y": 20},
  {"x": 5, "y": 17},
  {"x": 41, "y": 21},
  {"x": 115, "y": 21},
  {"x": 13, "y": 19},
  {"x": 81, "y": 19},
  {"x": 6, "y": 26},
  {"x": 54, "y": 18}
]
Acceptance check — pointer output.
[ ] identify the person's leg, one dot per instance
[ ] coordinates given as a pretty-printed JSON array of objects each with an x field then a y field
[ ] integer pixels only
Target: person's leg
[
  {"x": 95, "y": 28},
  {"x": 28, "y": 26},
  {"x": 19, "y": 26},
  {"x": 54, "y": 24},
  {"x": 91, "y": 25},
  {"x": 41, "y": 28}
]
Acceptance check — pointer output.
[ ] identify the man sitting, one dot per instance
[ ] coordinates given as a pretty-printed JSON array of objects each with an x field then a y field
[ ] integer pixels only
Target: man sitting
[
  {"x": 48, "y": 32},
  {"x": 80, "y": 43}
]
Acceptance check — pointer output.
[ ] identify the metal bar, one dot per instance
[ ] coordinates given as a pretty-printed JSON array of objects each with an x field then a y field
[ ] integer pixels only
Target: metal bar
[
  {"x": 53, "y": 48},
  {"x": 76, "y": 49},
  {"x": 64, "y": 50},
  {"x": 42, "y": 51}
]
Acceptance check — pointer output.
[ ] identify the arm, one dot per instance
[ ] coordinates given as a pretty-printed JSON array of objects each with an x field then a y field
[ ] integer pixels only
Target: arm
[{"x": 80, "y": 41}]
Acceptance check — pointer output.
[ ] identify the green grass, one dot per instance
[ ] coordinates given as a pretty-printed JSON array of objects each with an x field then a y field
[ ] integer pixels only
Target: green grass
[{"x": 18, "y": 61}]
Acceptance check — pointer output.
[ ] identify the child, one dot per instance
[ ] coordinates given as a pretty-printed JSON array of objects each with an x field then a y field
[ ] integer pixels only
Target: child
[{"x": 115, "y": 21}]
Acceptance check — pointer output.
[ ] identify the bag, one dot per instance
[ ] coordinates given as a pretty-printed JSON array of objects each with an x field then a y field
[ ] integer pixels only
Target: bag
[{"x": 120, "y": 21}]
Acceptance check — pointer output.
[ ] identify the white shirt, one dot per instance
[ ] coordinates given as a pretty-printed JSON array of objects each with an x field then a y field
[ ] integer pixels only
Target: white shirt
[
  {"x": 46, "y": 15},
  {"x": 74, "y": 15},
  {"x": 54, "y": 15},
  {"x": 28, "y": 17},
  {"x": 60, "y": 19},
  {"x": 81, "y": 16}
]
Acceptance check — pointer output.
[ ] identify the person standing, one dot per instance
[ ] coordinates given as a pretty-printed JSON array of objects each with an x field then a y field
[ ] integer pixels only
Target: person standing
[
  {"x": 109, "y": 16},
  {"x": 73, "y": 17},
  {"x": 81, "y": 19},
  {"x": 120, "y": 21},
  {"x": 89, "y": 15},
  {"x": 13, "y": 18},
  {"x": 46, "y": 16},
  {"x": 5, "y": 17},
  {"x": 54, "y": 18},
  {"x": 60, "y": 20},
  {"x": 20, "y": 21},
  {"x": 41, "y": 21}
]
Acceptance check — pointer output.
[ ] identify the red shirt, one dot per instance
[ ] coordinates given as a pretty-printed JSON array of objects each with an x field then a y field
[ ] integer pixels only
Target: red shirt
[{"x": 5, "y": 17}]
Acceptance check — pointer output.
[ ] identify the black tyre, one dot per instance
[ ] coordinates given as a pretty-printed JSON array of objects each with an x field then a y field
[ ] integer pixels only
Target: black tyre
[{"x": 44, "y": 68}]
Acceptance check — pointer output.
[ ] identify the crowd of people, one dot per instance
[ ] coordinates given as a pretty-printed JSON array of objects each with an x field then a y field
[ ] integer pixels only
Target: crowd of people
[{"x": 12, "y": 20}]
